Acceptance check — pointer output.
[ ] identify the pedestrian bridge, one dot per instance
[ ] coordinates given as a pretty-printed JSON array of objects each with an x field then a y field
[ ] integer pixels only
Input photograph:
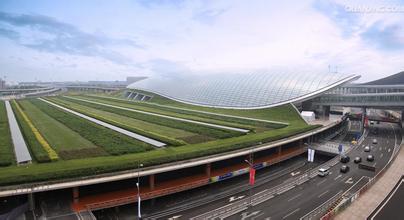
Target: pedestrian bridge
[{"x": 367, "y": 96}]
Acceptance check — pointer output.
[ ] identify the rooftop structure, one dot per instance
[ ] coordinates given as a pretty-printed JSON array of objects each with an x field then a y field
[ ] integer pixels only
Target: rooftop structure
[{"x": 243, "y": 91}]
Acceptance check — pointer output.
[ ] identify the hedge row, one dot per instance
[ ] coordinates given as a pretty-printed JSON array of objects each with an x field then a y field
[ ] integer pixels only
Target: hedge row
[
  {"x": 6, "y": 145},
  {"x": 45, "y": 145},
  {"x": 92, "y": 166},
  {"x": 187, "y": 126},
  {"x": 162, "y": 138},
  {"x": 36, "y": 149},
  {"x": 112, "y": 142},
  {"x": 197, "y": 114}
]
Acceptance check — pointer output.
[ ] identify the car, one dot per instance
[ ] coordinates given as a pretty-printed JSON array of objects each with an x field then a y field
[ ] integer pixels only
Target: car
[
  {"x": 370, "y": 158},
  {"x": 367, "y": 149},
  {"x": 323, "y": 172},
  {"x": 345, "y": 159},
  {"x": 372, "y": 122},
  {"x": 344, "y": 169},
  {"x": 374, "y": 141},
  {"x": 357, "y": 160}
]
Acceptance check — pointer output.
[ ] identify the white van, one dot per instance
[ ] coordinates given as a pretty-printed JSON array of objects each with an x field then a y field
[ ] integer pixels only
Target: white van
[{"x": 323, "y": 172}]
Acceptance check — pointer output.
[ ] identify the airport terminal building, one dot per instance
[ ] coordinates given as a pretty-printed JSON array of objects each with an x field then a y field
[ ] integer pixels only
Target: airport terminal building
[{"x": 241, "y": 91}]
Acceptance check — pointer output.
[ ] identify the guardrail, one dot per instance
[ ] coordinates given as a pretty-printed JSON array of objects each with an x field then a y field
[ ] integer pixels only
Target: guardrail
[
  {"x": 266, "y": 194},
  {"x": 348, "y": 199},
  {"x": 324, "y": 208}
]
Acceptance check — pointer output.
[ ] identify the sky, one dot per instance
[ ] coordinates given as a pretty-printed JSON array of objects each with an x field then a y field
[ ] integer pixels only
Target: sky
[{"x": 69, "y": 40}]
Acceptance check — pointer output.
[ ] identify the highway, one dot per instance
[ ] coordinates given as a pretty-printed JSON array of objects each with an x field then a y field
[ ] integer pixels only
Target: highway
[{"x": 302, "y": 199}]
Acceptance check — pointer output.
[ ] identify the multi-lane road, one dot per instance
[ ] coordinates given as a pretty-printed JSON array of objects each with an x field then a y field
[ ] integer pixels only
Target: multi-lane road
[
  {"x": 288, "y": 201},
  {"x": 302, "y": 199}
]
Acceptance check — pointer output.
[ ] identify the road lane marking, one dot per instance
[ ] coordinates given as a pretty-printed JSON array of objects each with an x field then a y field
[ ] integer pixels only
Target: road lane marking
[
  {"x": 175, "y": 217},
  {"x": 319, "y": 183},
  {"x": 337, "y": 177},
  {"x": 291, "y": 213},
  {"x": 246, "y": 215},
  {"x": 322, "y": 194},
  {"x": 295, "y": 173},
  {"x": 349, "y": 181},
  {"x": 294, "y": 197},
  {"x": 253, "y": 218},
  {"x": 233, "y": 198}
]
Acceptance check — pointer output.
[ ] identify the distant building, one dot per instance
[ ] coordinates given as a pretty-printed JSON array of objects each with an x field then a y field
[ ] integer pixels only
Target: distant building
[{"x": 2, "y": 84}]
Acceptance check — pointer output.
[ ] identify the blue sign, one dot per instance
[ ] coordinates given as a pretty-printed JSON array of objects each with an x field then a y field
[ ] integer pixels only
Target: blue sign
[
  {"x": 225, "y": 176},
  {"x": 258, "y": 166},
  {"x": 358, "y": 135},
  {"x": 340, "y": 148}
]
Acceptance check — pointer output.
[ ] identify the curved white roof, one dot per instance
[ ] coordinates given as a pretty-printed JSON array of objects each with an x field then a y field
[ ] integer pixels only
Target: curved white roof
[{"x": 243, "y": 91}]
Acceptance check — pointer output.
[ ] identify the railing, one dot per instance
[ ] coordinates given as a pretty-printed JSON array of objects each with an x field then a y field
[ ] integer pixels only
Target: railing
[
  {"x": 144, "y": 196},
  {"x": 265, "y": 195}
]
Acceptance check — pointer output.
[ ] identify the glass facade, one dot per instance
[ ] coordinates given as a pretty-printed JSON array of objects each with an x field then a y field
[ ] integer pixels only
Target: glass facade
[{"x": 244, "y": 91}]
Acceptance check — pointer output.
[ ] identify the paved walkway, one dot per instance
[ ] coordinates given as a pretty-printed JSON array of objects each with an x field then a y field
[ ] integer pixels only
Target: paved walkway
[
  {"x": 367, "y": 202},
  {"x": 21, "y": 151}
]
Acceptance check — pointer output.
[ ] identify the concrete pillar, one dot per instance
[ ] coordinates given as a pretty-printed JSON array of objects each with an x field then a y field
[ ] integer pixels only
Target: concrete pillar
[
  {"x": 279, "y": 150},
  {"x": 151, "y": 182},
  {"x": 208, "y": 170},
  {"x": 76, "y": 194},
  {"x": 31, "y": 202},
  {"x": 301, "y": 143},
  {"x": 402, "y": 118},
  {"x": 362, "y": 127},
  {"x": 326, "y": 112}
]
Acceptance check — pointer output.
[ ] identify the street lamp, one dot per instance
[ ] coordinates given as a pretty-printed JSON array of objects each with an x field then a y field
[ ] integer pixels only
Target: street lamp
[
  {"x": 249, "y": 189},
  {"x": 138, "y": 190}
]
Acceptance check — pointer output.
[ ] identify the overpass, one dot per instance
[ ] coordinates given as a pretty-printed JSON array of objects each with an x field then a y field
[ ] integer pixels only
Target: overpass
[
  {"x": 367, "y": 96},
  {"x": 362, "y": 96}
]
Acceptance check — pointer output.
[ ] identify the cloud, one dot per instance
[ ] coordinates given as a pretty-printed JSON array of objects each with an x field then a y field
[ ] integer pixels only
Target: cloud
[
  {"x": 208, "y": 16},
  {"x": 348, "y": 22},
  {"x": 43, "y": 33},
  {"x": 390, "y": 37},
  {"x": 159, "y": 3},
  {"x": 10, "y": 34}
]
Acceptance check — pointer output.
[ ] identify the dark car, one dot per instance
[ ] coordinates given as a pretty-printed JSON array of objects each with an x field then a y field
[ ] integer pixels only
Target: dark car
[
  {"x": 370, "y": 158},
  {"x": 358, "y": 160},
  {"x": 344, "y": 169},
  {"x": 345, "y": 159}
]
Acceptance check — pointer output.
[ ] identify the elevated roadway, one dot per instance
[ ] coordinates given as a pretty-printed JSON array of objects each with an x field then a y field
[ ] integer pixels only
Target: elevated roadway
[{"x": 147, "y": 171}]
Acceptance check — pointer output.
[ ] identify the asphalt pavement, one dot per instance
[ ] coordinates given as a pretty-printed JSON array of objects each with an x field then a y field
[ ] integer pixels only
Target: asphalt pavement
[{"x": 302, "y": 199}]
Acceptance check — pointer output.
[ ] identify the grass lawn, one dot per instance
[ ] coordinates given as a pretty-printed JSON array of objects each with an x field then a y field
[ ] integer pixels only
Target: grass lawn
[
  {"x": 214, "y": 119},
  {"x": 127, "y": 122},
  {"x": 85, "y": 167},
  {"x": 6, "y": 144},
  {"x": 67, "y": 143},
  {"x": 183, "y": 125},
  {"x": 284, "y": 113},
  {"x": 36, "y": 149},
  {"x": 111, "y": 141},
  {"x": 97, "y": 165}
]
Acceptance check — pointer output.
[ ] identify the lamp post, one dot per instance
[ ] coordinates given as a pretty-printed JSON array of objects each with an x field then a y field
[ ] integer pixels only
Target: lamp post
[
  {"x": 139, "y": 215},
  {"x": 250, "y": 187}
]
